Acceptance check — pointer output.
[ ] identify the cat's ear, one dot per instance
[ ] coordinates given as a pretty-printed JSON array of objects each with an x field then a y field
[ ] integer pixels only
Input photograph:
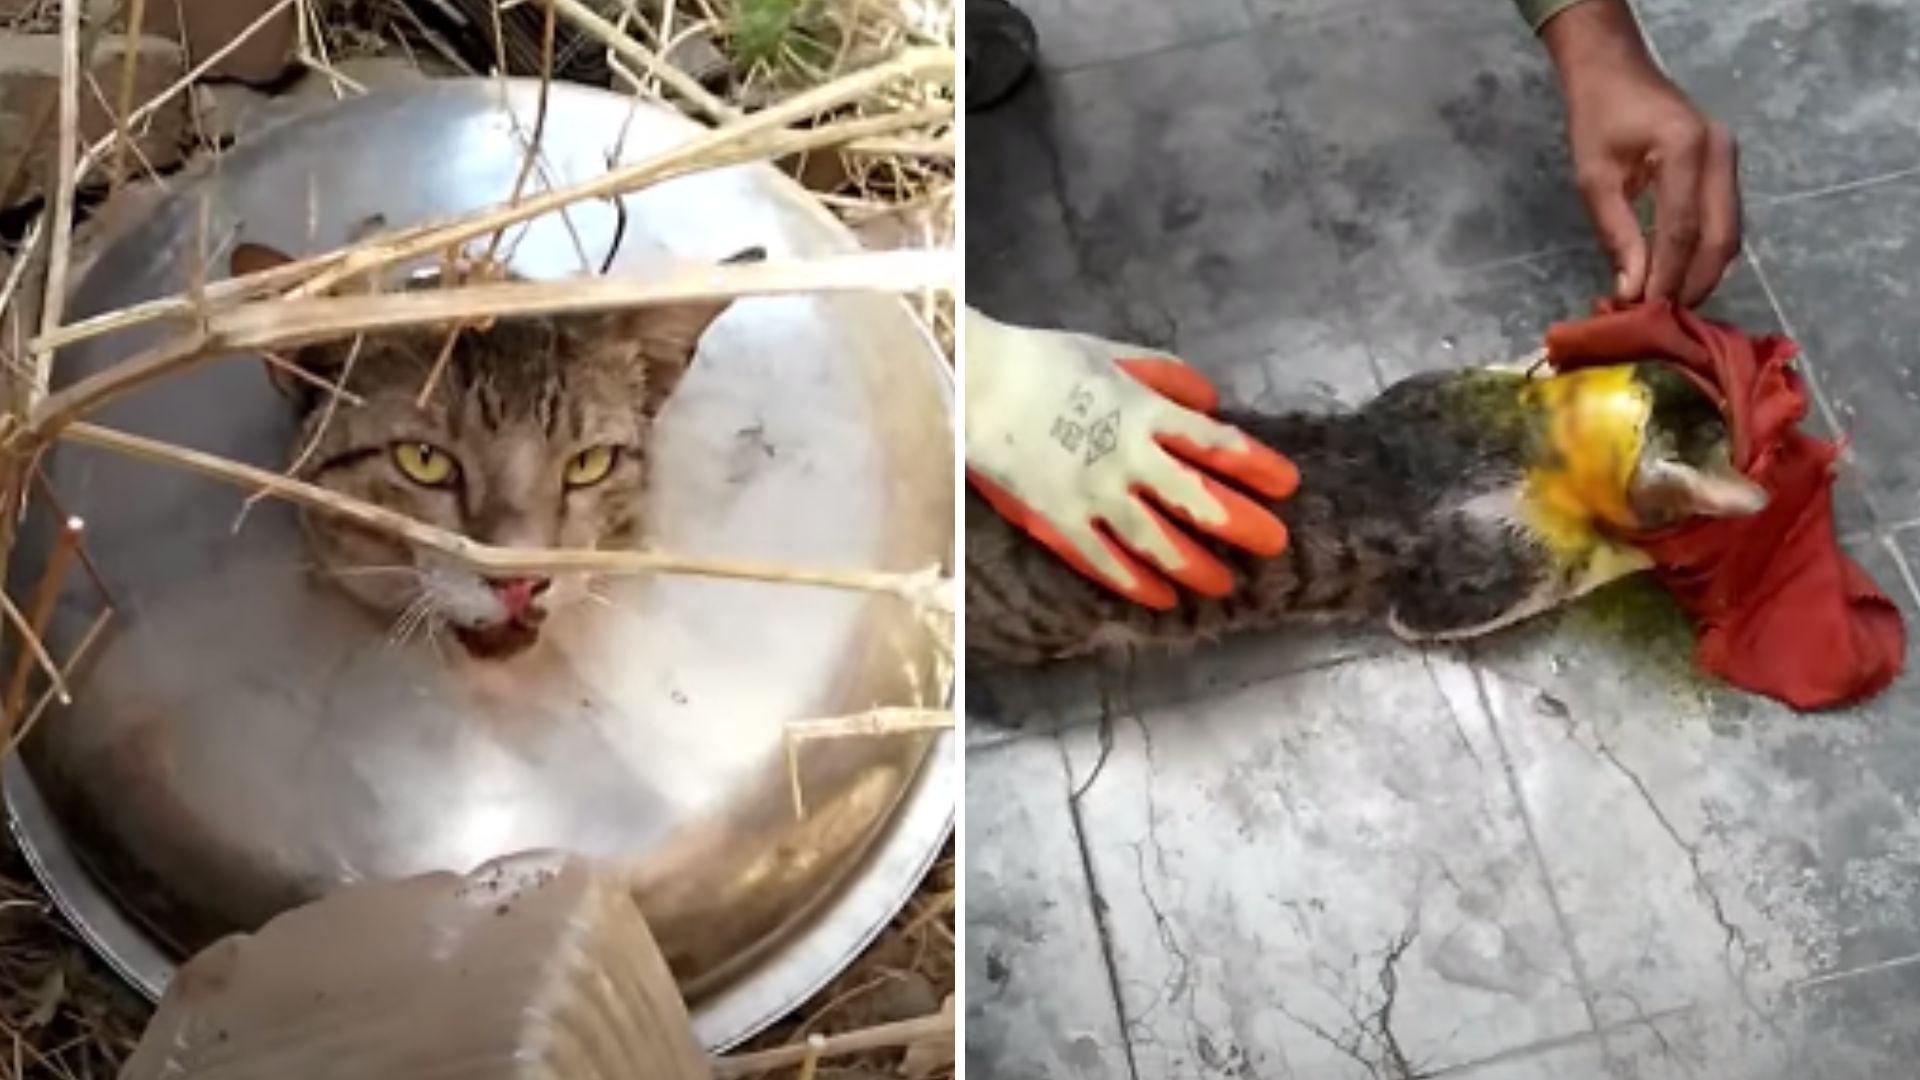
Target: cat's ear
[
  {"x": 290, "y": 372},
  {"x": 250, "y": 258},
  {"x": 669, "y": 337},
  {"x": 1666, "y": 492},
  {"x": 303, "y": 376}
]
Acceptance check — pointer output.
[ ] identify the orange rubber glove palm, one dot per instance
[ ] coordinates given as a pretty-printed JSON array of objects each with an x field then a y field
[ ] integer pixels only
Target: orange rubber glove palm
[{"x": 1084, "y": 443}]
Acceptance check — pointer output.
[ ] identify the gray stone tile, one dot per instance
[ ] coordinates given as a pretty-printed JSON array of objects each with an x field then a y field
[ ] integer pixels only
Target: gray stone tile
[
  {"x": 1077, "y": 33},
  {"x": 1005, "y": 703},
  {"x": 1853, "y": 513},
  {"x": 1273, "y": 812},
  {"x": 1861, "y": 1026},
  {"x": 1702, "y": 1042},
  {"x": 1491, "y": 315},
  {"x": 1435, "y": 138},
  {"x": 1580, "y": 1058},
  {"x": 1644, "y": 899},
  {"x": 1744, "y": 848},
  {"x": 1906, "y": 548},
  {"x": 1322, "y": 876},
  {"x": 1289, "y": 363},
  {"x": 1819, "y": 92},
  {"x": 1185, "y": 193},
  {"x": 1301, "y": 14},
  {"x": 1022, "y": 264},
  {"x": 1498, "y": 313},
  {"x": 1039, "y": 1003},
  {"x": 1843, "y": 269}
]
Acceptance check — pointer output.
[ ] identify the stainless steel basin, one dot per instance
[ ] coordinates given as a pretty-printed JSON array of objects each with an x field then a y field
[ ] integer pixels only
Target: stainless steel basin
[{"x": 245, "y": 739}]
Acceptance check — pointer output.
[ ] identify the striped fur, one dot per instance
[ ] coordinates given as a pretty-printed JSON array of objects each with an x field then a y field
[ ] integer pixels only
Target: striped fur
[{"x": 1407, "y": 512}]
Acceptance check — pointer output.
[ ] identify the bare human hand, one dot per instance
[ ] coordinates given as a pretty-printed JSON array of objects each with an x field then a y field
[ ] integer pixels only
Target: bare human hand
[{"x": 1631, "y": 128}]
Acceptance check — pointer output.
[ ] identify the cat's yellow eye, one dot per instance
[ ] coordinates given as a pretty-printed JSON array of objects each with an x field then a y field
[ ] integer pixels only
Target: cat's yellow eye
[
  {"x": 425, "y": 464},
  {"x": 590, "y": 466}
]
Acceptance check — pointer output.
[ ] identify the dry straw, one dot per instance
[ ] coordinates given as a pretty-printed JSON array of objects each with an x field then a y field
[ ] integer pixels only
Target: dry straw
[
  {"x": 292, "y": 305},
  {"x": 878, "y": 99}
]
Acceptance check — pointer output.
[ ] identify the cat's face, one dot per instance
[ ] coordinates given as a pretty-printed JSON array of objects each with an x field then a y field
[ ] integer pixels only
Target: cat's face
[
  {"x": 1685, "y": 467},
  {"x": 534, "y": 437},
  {"x": 1638, "y": 447}
]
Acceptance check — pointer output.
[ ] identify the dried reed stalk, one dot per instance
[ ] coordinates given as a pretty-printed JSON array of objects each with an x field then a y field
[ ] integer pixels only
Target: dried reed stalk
[
  {"x": 809, "y": 1065},
  {"x": 34, "y": 645},
  {"x": 126, "y": 141},
  {"x": 886, "y": 720},
  {"x": 56, "y": 285},
  {"x": 924, "y": 588},
  {"x": 306, "y": 315},
  {"x": 283, "y": 323},
  {"x": 79, "y": 656},
  {"x": 127, "y": 122},
  {"x": 890, "y": 720},
  {"x": 13, "y": 174},
  {"x": 937, "y": 148},
  {"x": 901, "y": 1033},
  {"x": 528, "y": 161},
  {"x": 754, "y": 138},
  {"x": 590, "y": 22},
  {"x": 40, "y": 610},
  {"x": 129, "y": 69},
  {"x": 44, "y": 488}
]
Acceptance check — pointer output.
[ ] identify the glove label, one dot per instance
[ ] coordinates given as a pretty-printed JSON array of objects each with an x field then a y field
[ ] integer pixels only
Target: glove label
[{"x": 1075, "y": 427}]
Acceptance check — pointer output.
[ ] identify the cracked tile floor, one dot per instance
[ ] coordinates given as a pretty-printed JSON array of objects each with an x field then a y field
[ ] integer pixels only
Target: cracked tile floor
[{"x": 1559, "y": 853}]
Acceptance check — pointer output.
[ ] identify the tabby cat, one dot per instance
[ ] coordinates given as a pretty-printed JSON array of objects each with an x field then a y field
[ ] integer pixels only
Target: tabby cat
[
  {"x": 535, "y": 437},
  {"x": 1452, "y": 505}
]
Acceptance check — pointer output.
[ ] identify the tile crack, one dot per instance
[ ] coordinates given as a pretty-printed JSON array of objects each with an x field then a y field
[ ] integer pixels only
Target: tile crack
[{"x": 1735, "y": 941}]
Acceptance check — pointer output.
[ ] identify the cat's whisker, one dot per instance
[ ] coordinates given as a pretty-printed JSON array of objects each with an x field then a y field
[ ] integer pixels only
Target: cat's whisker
[
  {"x": 434, "y": 626},
  {"x": 409, "y": 617},
  {"x": 430, "y": 623},
  {"x": 413, "y": 628},
  {"x": 427, "y": 617}
]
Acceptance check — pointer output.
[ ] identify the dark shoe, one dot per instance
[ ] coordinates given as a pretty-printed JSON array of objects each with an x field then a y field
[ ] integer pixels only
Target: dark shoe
[{"x": 1001, "y": 46}]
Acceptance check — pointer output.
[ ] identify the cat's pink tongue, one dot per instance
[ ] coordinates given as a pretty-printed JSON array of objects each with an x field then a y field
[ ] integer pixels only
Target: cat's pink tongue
[{"x": 518, "y": 594}]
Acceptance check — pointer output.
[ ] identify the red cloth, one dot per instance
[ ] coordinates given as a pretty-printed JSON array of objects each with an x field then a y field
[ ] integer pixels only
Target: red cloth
[{"x": 1779, "y": 609}]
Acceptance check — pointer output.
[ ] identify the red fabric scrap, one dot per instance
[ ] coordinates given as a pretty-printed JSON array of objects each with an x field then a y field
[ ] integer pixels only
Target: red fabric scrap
[{"x": 1779, "y": 609}]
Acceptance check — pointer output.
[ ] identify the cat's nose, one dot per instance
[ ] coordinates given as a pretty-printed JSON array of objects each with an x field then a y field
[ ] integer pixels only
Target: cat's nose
[{"x": 517, "y": 594}]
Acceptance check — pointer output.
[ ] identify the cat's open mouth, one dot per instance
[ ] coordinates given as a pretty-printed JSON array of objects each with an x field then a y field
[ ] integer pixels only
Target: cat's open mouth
[{"x": 498, "y": 641}]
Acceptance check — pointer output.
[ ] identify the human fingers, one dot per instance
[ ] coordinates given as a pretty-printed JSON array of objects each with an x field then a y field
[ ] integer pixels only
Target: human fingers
[
  {"x": 1087, "y": 552},
  {"x": 1252, "y": 463},
  {"x": 1720, "y": 218},
  {"x": 1167, "y": 548},
  {"x": 1679, "y": 160},
  {"x": 1238, "y": 521},
  {"x": 1172, "y": 380},
  {"x": 1605, "y": 188}
]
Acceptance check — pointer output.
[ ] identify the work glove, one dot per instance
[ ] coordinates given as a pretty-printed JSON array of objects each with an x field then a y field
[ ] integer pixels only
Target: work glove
[{"x": 1089, "y": 446}]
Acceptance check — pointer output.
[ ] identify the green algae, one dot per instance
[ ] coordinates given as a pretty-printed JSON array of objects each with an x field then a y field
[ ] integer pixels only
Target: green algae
[{"x": 1640, "y": 622}]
